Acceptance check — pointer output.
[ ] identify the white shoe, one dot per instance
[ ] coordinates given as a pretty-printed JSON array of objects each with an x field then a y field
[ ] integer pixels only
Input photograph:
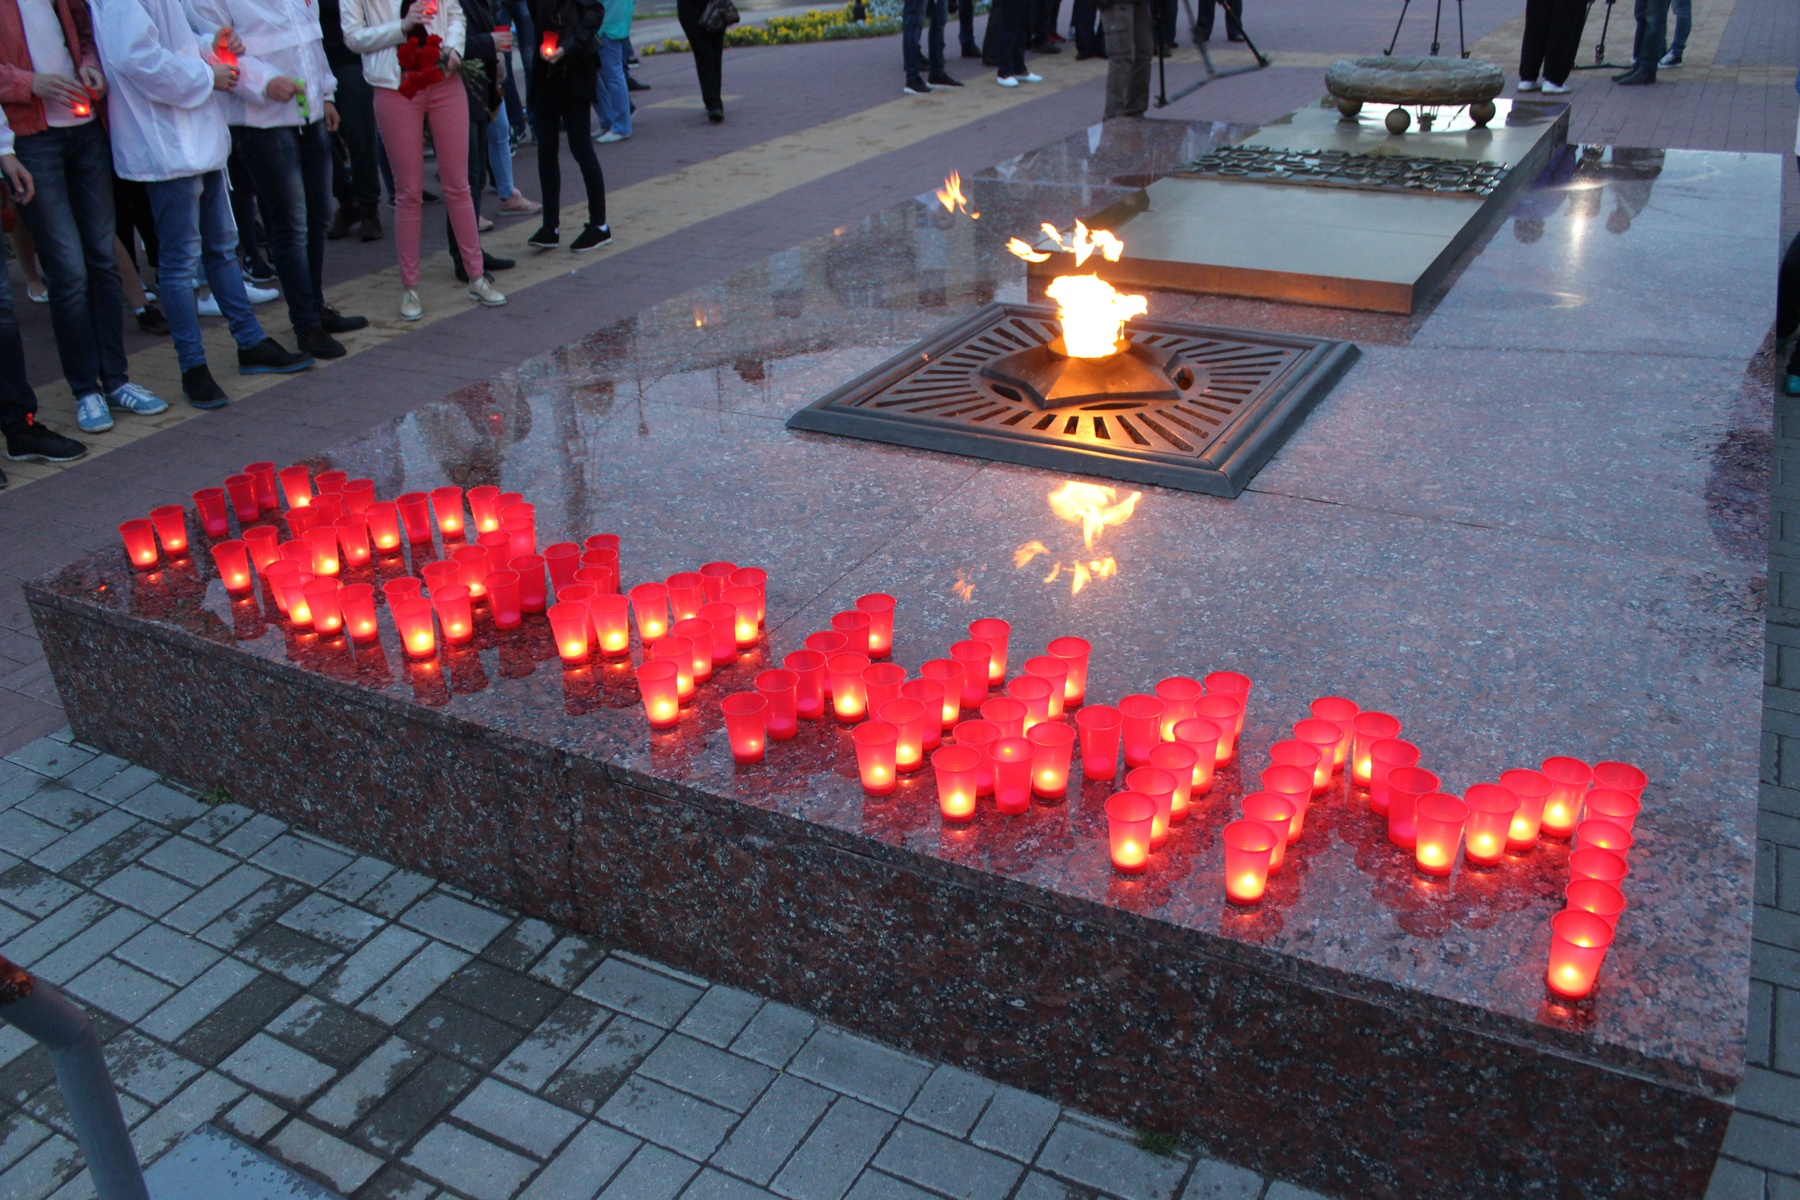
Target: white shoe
[
  {"x": 410, "y": 307},
  {"x": 206, "y": 306},
  {"x": 609, "y": 137},
  {"x": 1031, "y": 77},
  {"x": 1555, "y": 89},
  {"x": 1007, "y": 81},
  {"x": 1527, "y": 85},
  {"x": 483, "y": 289},
  {"x": 91, "y": 414}
]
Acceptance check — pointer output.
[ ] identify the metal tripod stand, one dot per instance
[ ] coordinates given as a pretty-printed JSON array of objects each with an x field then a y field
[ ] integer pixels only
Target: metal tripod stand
[
  {"x": 1233, "y": 13},
  {"x": 1437, "y": 26},
  {"x": 1600, "y": 62}
]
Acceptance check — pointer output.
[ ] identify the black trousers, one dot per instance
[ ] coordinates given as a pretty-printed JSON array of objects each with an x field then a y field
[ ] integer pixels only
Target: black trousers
[
  {"x": 965, "y": 20},
  {"x": 709, "y": 52},
  {"x": 1086, "y": 18},
  {"x": 354, "y": 178},
  {"x": 562, "y": 107},
  {"x": 1204, "y": 17},
  {"x": 1552, "y": 38},
  {"x": 1005, "y": 40}
]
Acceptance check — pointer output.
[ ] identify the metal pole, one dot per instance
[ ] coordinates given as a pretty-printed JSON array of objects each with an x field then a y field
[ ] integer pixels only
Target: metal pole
[
  {"x": 1436, "y": 24},
  {"x": 1393, "y": 41}
]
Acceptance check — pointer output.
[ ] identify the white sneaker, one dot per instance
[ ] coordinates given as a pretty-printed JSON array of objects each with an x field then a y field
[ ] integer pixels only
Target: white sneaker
[
  {"x": 1528, "y": 85},
  {"x": 135, "y": 399},
  {"x": 1007, "y": 81},
  {"x": 1555, "y": 89},
  {"x": 483, "y": 289},
  {"x": 206, "y": 306},
  {"x": 609, "y": 137},
  {"x": 1031, "y": 77},
  {"x": 410, "y": 307},
  {"x": 91, "y": 414},
  {"x": 260, "y": 295},
  {"x": 1669, "y": 60}
]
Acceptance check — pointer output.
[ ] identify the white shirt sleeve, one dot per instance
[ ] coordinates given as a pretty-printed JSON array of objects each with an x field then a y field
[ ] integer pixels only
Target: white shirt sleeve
[{"x": 130, "y": 47}]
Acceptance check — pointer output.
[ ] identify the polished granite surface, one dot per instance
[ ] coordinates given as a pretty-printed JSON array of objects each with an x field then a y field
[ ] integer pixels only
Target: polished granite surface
[{"x": 1528, "y": 523}]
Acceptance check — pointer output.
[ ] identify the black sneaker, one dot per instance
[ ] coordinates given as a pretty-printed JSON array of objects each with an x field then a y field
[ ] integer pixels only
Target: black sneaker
[
  {"x": 544, "y": 239},
  {"x": 489, "y": 264},
  {"x": 318, "y": 343},
  {"x": 33, "y": 442},
  {"x": 942, "y": 79},
  {"x": 343, "y": 222},
  {"x": 258, "y": 271},
  {"x": 634, "y": 84},
  {"x": 268, "y": 358},
  {"x": 916, "y": 86},
  {"x": 370, "y": 228},
  {"x": 715, "y": 115},
  {"x": 333, "y": 321},
  {"x": 150, "y": 319},
  {"x": 971, "y": 51},
  {"x": 591, "y": 237},
  {"x": 198, "y": 386}
]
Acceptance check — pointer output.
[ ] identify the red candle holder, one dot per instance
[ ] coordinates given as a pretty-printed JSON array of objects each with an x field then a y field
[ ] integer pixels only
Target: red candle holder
[
  {"x": 1012, "y": 757},
  {"x": 547, "y": 46},
  {"x": 1294, "y": 784},
  {"x": 930, "y": 694},
  {"x": 330, "y": 482},
  {"x": 299, "y": 552},
  {"x": 1385, "y": 756},
  {"x": 562, "y": 559},
  {"x": 1292, "y": 752},
  {"x": 808, "y": 667},
  {"x": 281, "y": 575},
  {"x": 1321, "y": 735},
  {"x": 949, "y": 673},
  {"x": 292, "y": 586},
  {"x": 264, "y": 544},
  {"x": 415, "y": 516},
  {"x": 650, "y": 605},
  {"x": 1578, "y": 945},
  {"x": 780, "y": 688},
  {"x": 827, "y": 642},
  {"x": 1491, "y": 809},
  {"x": 696, "y": 631},
  {"x": 1229, "y": 683},
  {"x": 296, "y": 485},
  {"x": 1249, "y": 846},
  {"x": 1533, "y": 789},
  {"x": 1052, "y": 747},
  {"x": 1159, "y": 785},
  {"x": 454, "y": 614},
  {"x": 520, "y": 526},
  {"x": 483, "y": 509},
  {"x": 879, "y": 608},
  {"x": 263, "y": 473},
  {"x": 687, "y": 592},
  {"x": 569, "y": 626},
  {"x": 1055, "y": 672},
  {"x": 1179, "y": 694},
  {"x": 882, "y": 683},
  {"x": 1202, "y": 735},
  {"x": 602, "y": 577},
  {"x": 1034, "y": 692},
  {"x": 325, "y": 560},
  {"x": 849, "y": 695},
  {"x": 1006, "y": 714},
  {"x": 503, "y": 599},
  {"x": 170, "y": 521},
  {"x": 1569, "y": 780},
  {"x": 855, "y": 627},
  {"x": 327, "y": 610},
  {"x": 1074, "y": 651},
  {"x": 1101, "y": 727},
  {"x": 140, "y": 542},
  {"x": 714, "y": 576},
  {"x": 406, "y": 587},
  {"x": 680, "y": 651},
  {"x": 353, "y": 536},
  {"x": 1227, "y": 710},
  {"x": 418, "y": 633},
  {"x": 723, "y": 619},
  {"x": 955, "y": 769},
  {"x": 498, "y": 548},
  {"x": 1439, "y": 821},
  {"x": 1276, "y": 812},
  {"x": 1602, "y": 899},
  {"x": 1129, "y": 818},
  {"x": 1342, "y": 713},
  {"x": 327, "y": 508},
  {"x": 299, "y": 521},
  {"x": 979, "y": 736},
  {"x": 1605, "y": 835},
  {"x": 475, "y": 564},
  {"x": 1178, "y": 759},
  {"x": 746, "y": 725},
  {"x": 441, "y": 573},
  {"x": 384, "y": 525},
  {"x": 995, "y": 633},
  {"x": 875, "y": 747},
  {"x": 1609, "y": 804},
  {"x": 1366, "y": 729},
  {"x": 973, "y": 655},
  {"x": 1406, "y": 786},
  {"x": 1142, "y": 728},
  {"x": 233, "y": 561},
  {"x": 357, "y": 602},
  {"x": 659, "y": 687},
  {"x": 209, "y": 504},
  {"x": 908, "y": 719},
  {"x": 1620, "y": 777},
  {"x": 532, "y": 595},
  {"x": 746, "y": 601},
  {"x": 241, "y": 490},
  {"x": 594, "y": 541},
  {"x": 358, "y": 495}
]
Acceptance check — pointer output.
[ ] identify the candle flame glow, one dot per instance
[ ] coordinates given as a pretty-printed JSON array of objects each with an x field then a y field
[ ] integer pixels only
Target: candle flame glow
[{"x": 952, "y": 198}]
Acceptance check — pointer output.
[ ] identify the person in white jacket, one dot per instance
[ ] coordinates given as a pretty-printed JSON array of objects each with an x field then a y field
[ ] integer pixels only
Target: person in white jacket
[
  {"x": 374, "y": 28},
  {"x": 281, "y": 117},
  {"x": 168, "y": 131}
]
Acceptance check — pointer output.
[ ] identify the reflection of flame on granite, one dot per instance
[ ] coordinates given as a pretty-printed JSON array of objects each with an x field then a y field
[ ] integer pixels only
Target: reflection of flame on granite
[
  {"x": 1096, "y": 507},
  {"x": 952, "y": 198}
]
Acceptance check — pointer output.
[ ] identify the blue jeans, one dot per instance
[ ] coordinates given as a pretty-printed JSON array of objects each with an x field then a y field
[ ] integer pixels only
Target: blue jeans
[
  {"x": 71, "y": 220},
  {"x": 17, "y": 400},
  {"x": 195, "y": 231},
  {"x": 912, "y": 23},
  {"x": 614, "y": 101},
  {"x": 1684, "y": 25},
  {"x": 291, "y": 168},
  {"x": 499, "y": 153},
  {"x": 1651, "y": 42}
]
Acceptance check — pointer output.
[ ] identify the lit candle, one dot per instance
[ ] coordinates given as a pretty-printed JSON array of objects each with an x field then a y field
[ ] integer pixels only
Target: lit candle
[
  {"x": 353, "y": 536},
  {"x": 949, "y": 673},
  {"x": 1178, "y": 760},
  {"x": 1609, "y": 804},
  {"x": 241, "y": 489},
  {"x": 1292, "y": 752},
  {"x": 502, "y": 589},
  {"x": 482, "y": 508},
  {"x": 882, "y": 683},
  {"x": 680, "y": 651},
  {"x": 1296, "y": 786},
  {"x": 955, "y": 768},
  {"x": 325, "y": 508},
  {"x": 324, "y": 550},
  {"x": 330, "y": 482},
  {"x": 687, "y": 592},
  {"x": 808, "y": 667},
  {"x": 569, "y": 626},
  {"x": 849, "y": 696},
  {"x": 1159, "y": 785},
  {"x": 1142, "y": 728},
  {"x": 699, "y": 632},
  {"x": 1604, "y": 834},
  {"x": 1129, "y": 816},
  {"x": 384, "y": 525},
  {"x": 405, "y": 588},
  {"x": 1406, "y": 786},
  {"x": 499, "y": 551},
  {"x": 170, "y": 521},
  {"x": 415, "y": 516},
  {"x": 264, "y": 475},
  {"x": 979, "y": 736},
  {"x": 746, "y": 725},
  {"x": 1620, "y": 777},
  {"x": 875, "y": 742},
  {"x": 1491, "y": 809},
  {"x": 973, "y": 655},
  {"x": 547, "y": 47},
  {"x": 454, "y": 615},
  {"x": 280, "y": 576},
  {"x": 298, "y": 520},
  {"x": 1322, "y": 735},
  {"x": 1034, "y": 693},
  {"x": 1055, "y": 672},
  {"x": 520, "y": 525},
  {"x": 1342, "y": 713},
  {"x": 723, "y": 619},
  {"x": 1578, "y": 944},
  {"x": 1074, "y": 651},
  {"x": 1179, "y": 694},
  {"x": 233, "y": 561},
  {"x": 327, "y": 610},
  {"x": 930, "y": 694},
  {"x": 854, "y": 626},
  {"x": 1012, "y": 756},
  {"x": 714, "y": 576},
  {"x": 1385, "y": 756},
  {"x": 441, "y": 573},
  {"x": 1439, "y": 821},
  {"x": 562, "y": 559},
  {"x": 418, "y": 635},
  {"x": 532, "y": 595},
  {"x": 827, "y": 642},
  {"x": 1100, "y": 727},
  {"x": 140, "y": 542},
  {"x": 1277, "y": 812},
  {"x": 994, "y": 632},
  {"x": 1591, "y": 862},
  {"x": 650, "y": 604},
  {"x": 757, "y": 580},
  {"x": 1229, "y": 683},
  {"x": 475, "y": 563},
  {"x": 1202, "y": 736},
  {"x": 601, "y": 575},
  {"x": 209, "y": 504},
  {"x": 1249, "y": 845},
  {"x": 293, "y": 589},
  {"x": 1533, "y": 789},
  {"x": 1007, "y": 715},
  {"x": 296, "y": 485},
  {"x": 1367, "y": 729},
  {"x": 263, "y": 543},
  {"x": 879, "y": 607},
  {"x": 1569, "y": 780},
  {"x": 660, "y": 688},
  {"x": 358, "y": 495},
  {"x": 908, "y": 719},
  {"x": 1227, "y": 710},
  {"x": 1053, "y": 745},
  {"x": 745, "y": 600},
  {"x": 1602, "y": 899},
  {"x": 780, "y": 688},
  {"x": 357, "y": 601}
]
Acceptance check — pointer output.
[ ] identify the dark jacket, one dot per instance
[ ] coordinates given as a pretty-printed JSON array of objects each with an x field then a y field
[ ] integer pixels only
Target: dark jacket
[
  {"x": 478, "y": 46},
  {"x": 577, "y": 27}
]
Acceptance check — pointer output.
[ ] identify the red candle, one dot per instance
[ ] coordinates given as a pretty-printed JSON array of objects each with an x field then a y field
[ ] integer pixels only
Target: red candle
[
  {"x": 298, "y": 551},
  {"x": 1602, "y": 899},
  {"x": 281, "y": 575},
  {"x": 1591, "y": 862},
  {"x": 994, "y": 632},
  {"x": 357, "y": 601},
  {"x": 594, "y": 541},
  {"x": 233, "y": 561},
  {"x": 1491, "y": 809},
  {"x": 745, "y": 600},
  {"x": 1292, "y": 752},
  {"x": 973, "y": 656},
  {"x": 417, "y": 633},
  {"x": 326, "y": 508},
  {"x": 1578, "y": 943},
  {"x": 415, "y": 516},
  {"x": 979, "y": 736},
  {"x": 358, "y": 495},
  {"x": 1439, "y": 820},
  {"x": 1012, "y": 756},
  {"x": 296, "y": 485},
  {"x": 1533, "y": 789},
  {"x": 1074, "y": 651},
  {"x": 855, "y": 626},
  {"x": 609, "y": 616},
  {"x": 949, "y": 673},
  {"x": 454, "y": 615},
  {"x": 1055, "y": 672},
  {"x": 441, "y": 573},
  {"x": 140, "y": 542},
  {"x": 209, "y": 503},
  {"x": 1604, "y": 834},
  {"x": 1129, "y": 817},
  {"x": 1229, "y": 683},
  {"x": 650, "y": 604},
  {"x": 384, "y": 525},
  {"x": 696, "y": 631},
  {"x": 687, "y": 592},
  {"x": 1179, "y": 695},
  {"x": 1177, "y": 759},
  {"x": 353, "y": 536},
  {"x": 1101, "y": 728},
  {"x": 1159, "y": 785},
  {"x": 1276, "y": 812},
  {"x": 548, "y": 46},
  {"x": 660, "y": 688},
  {"x": 1034, "y": 693},
  {"x": 955, "y": 768},
  {"x": 1249, "y": 846},
  {"x": 908, "y": 719},
  {"x": 397, "y": 591},
  {"x": 299, "y": 520},
  {"x": 1322, "y": 735},
  {"x": 532, "y": 596},
  {"x": 849, "y": 695},
  {"x": 603, "y": 577},
  {"x": 1620, "y": 777},
  {"x": 499, "y": 550},
  {"x": 808, "y": 667},
  {"x": 569, "y": 626},
  {"x": 503, "y": 598},
  {"x": 264, "y": 475},
  {"x": 1608, "y": 804},
  {"x": 1384, "y": 756},
  {"x": 1227, "y": 709},
  {"x": 1406, "y": 786},
  {"x": 827, "y": 642},
  {"x": 1296, "y": 786},
  {"x": 170, "y": 521},
  {"x": 293, "y": 589},
  {"x": 1367, "y": 729},
  {"x": 930, "y": 694},
  {"x": 1342, "y": 713},
  {"x": 324, "y": 550},
  {"x": 482, "y": 508},
  {"x": 1006, "y": 714},
  {"x": 1142, "y": 728},
  {"x": 875, "y": 743},
  {"x": 757, "y": 580},
  {"x": 881, "y": 683},
  {"x": 714, "y": 576},
  {"x": 520, "y": 526},
  {"x": 746, "y": 725},
  {"x": 680, "y": 651},
  {"x": 1569, "y": 780},
  {"x": 879, "y": 607},
  {"x": 562, "y": 559},
  {"x": 475, "y": 563},
  {"x": 241, "y": 489},
  {"x": 1052, "y": 746},
  {"x": 1202, "y": 735},
  {"x": 331, "y": 481},
  {"x": 263, "y": 543},
  {"x": 780, "y": 689},
  {"x": 723, "y": 619},
  {"x": 327, "y": 610}
]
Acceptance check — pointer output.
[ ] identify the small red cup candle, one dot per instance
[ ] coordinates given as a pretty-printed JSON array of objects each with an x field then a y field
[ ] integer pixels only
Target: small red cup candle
[
  {"x": 1406, "y": 786},
  {"x": 1034, "y": 693},
  {"x": 1439, "y": 819},
  {"x": 209, "y": 504},
  {"x": 1129, "y": 818},
  {"x": 1178, "y": 694},
  {"x": 808, "y": 667},
  {"x": 881, "y": 683},
  {"x": 483, "y": 509},
  {"x": 520, "y": 528},
  {"x": 930, "y": 694},
  {"x": 547, "y": 47},
  {"x": 140, "y": 542},
  {"x": 327, "y": 609},
  {"x": 1604, "y": 834},
  {"x": 1621, "y": 777},
  {"x": 475, "y": 563},
  {"x": 298, "y": 552},
  {"x": 296, "y": 485},
  {"x": 1159, "y": 785},
  {"x": 855, "y": 627},
  {"x": 384, "y": 525},
  {"x": 299, "y": 520},
  {"x": 1569, "y": 780},
  {"x": 499, "y": 550},
  {"x": 680, "y": 651},
  {"x": 532, "y": 596},
  {"x": 879, "y": 608},
  {"x": 1533, "y": 789},
  {"x": 746, "y": 725},
  {"x": 714, "y": 576},
  {"x": 1178, "y": 759},
  {"x": 650, "y": 605},
  {"x": 264, "y": 475},
  {"x": 503, "y": 599},
  {"x": 699, "y": 632},
  {"x": 357, "y": 600},
  {"x": 1591, "y": 862},
  {"x": 406, "y": 587},
  {"x": 827, "y": 642},
  {"x": 1609, "y": 804},
  {"x": 454, "y": 614},
  {"x": 329, "y": 507},
  {"x": 687, "y": 592},
  {"x": 418, "y": 633},
  {"x": 849, "y": 695},
  {"x": 723, "y": 619},
  {"x": 1578, "y": 944},
  {"x": 603, "y": 576},
  {"x": 1012, "y": 757},
  {"x": 908, "y": 719},
  {"x": 1074, "y": 651},
  {"x": 1294, "y": 784},
  {"x": 293, "y": 587},
  {"x": 757, "y": 580},
  {"x": 569, "y": 626},
  {"x": 325, "y": 560},
  {"x": 330, "y": 481},
  {"x": 1602, "y": 899},
  {"x": 1491, "y": 809},
  {"x": 264, "y": 544},
  {"x": 562, "y": 559},
  {"x": 1367, "y": 729},
  {"x": 973, "y": 655},
  {"x": 995, "y": 633},
  {"x": 875, "y": 744},
  {"x": 170, "y": 521},
  {"x": 979, "y": 736},
  {"x": 1384, "y": 756},
  {"x": 1292, "y": 752},
  {"x": 358, "y": 495},
  {"x": 233, "y": 561},
  {"x": 281, "y": 575},
  {"x": 1142, "y": 727},
  {"x": 1342, "y": 713},
  {"x": 1322, "y": 735},
  {"x": 955, "y": 768},
  {"x": 1007, "y": 714},
  {"x": 1227, "y": 709},
  {"x": 1278, "y": 813},
  {"x": 353, "y": 536},
  {"x": 949, "y": 673},
  {"x": 441, "y": 573},
  {"x": 241, "y": 490},
  {"x": 1230, "y": 683},
  {"x": 1249, "y": 846},
  {"x": 1055, "y": 672},
  {"x": 415, "y": 516},
  {"x": 594, "y": 541},
  {"x": 746, "y": 600},
  {"x": 1202, "y": 735},
  {"x": 659, "y": 686},
  {"x": 780, "y": 689},
  {"x": 1101, "y": 727},
  {"x": 1052, "y": 746}
]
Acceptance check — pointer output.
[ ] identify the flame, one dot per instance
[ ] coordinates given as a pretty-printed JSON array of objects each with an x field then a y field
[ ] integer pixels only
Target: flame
[
  {"x": 964, "y": 588},
  {"x": 952, "y": 198},
  {"x": 1085, "y": 241},
  {"x": 1093, "y": 314},
  {"x": 1023, "y": 250},
  {"x": 1095, "y": 506}
]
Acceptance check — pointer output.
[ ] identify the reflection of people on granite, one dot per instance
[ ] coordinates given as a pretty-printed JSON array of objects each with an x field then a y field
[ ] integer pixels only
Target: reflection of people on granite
[
  {"x": 1632, "y": 173},
  {"x": 1546, "y": 194},
  {"x": 466, "y": 433}
]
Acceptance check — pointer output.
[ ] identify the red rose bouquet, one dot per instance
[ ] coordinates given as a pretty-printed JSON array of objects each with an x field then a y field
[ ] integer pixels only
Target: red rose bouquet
[{"x": 421, "y": 63}]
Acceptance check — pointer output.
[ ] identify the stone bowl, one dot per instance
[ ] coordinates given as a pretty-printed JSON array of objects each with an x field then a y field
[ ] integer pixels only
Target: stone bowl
[{"x": 1353, "y": 82}]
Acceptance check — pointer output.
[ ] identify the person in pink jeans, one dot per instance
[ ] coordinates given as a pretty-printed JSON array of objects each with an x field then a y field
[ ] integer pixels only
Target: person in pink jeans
[{"x": 373, "y": 29}]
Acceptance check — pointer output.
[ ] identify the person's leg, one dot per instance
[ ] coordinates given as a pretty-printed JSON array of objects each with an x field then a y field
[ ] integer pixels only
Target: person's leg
[
  {"x": 1143, "y": 54},
  {"x": 1684, "y": 25},
  {"x": 356, "y": 130},
  {"x": 1083, "y": 16},
  {"x": 63, "y": 259},
  {"x": 402, "y": 125},
  {"x": 912, "y": 23},
  {"x": 546, "y": 121},
  {"x": 18, "y": 403},
  {"x": 1203, "y": 19},
  {"x": 90, "y": 179},
  {"x": 939, "y": 16},
  {"x": 711, "y": 62},
  {"x": 615, "y": 97},
  {"x": 447, "y": 108},
  {"x": 314, "y": 145},
  {"x": 581, "y": 149},
  {"x": 271, "y": 159},
  {"x": 244, "y": 208},
  {"x": 1003, "y": 36},
  {"x": 1563, "y": 42},
  {"x": 526, "y": 35},
  {"x": 1536, "y": 38},
  {"x": 1120, "y": 39},
  {"x": 175, "y": 204},
  {"x": 219, "y": 257},
  {"x": 499, "y": 154},
  {"x": 965, "y": 22},
  {"x": 1234, "y": 26}
]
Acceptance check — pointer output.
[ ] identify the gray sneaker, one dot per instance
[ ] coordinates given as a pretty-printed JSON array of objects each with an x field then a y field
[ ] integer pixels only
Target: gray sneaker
[
  {"x": 91, "y": 414},
  {"x": 135, "y": 399},
  {"x": 1671, "y": 59}
]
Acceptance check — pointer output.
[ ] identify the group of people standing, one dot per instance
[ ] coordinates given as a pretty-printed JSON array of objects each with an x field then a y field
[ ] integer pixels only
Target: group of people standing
[{"x": 1552, "y": 39}]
